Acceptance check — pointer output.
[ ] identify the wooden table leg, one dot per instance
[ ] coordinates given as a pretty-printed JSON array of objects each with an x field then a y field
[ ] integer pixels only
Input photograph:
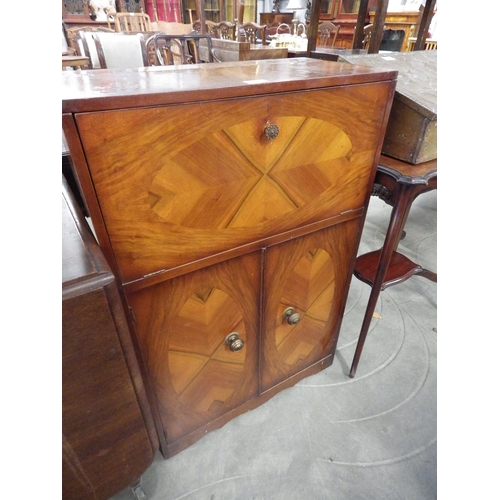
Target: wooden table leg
[{"x": 402, "y": 191}]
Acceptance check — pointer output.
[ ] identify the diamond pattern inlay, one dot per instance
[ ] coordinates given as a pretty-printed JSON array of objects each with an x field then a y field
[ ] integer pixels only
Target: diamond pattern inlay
[
  {"x": 309, "y": 289},
  {"x": 197, "y": 347},
  {"x": 236, "y": 177}
]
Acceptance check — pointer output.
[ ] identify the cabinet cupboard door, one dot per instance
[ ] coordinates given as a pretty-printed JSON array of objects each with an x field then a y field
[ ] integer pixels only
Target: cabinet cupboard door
[
  {"x": 179, "y": 183},
  {"x": 182, "y": 325},
  {"x": 310, "y": 275}
]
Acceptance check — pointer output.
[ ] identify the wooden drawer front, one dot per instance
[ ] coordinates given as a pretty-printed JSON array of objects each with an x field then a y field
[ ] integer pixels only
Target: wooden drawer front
[
  {"x": 182, "y": 325},
  {"x": 179, "y": 183},
  {"x": 309, "y": 274}
]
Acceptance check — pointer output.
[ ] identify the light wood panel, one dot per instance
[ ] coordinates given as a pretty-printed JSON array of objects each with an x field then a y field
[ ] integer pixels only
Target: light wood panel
[
  {"x": 308, "y": 274},
  {"x": 182, "y": 325},
  {"x": 182, "y": 193}
]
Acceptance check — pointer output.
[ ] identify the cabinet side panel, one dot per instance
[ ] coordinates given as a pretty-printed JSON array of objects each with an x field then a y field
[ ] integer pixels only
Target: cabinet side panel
[{"x": 105, "y": 443}]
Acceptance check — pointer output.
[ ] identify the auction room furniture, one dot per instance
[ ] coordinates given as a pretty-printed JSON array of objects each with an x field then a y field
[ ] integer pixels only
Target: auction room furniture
[
  {"x": 226, "y": 30},
  {"x": 407, "y": 169},
  {"x": 327, "y": 34},
  {"x": 352, "y": 24},
  {"x": 334, "y": 54},
  {"x": 210, "y": 27},
  {"x": 132, "y": 22},
  {"x": 74, "y": 61},
  {"x": 398, "y": 183},
  {"x": 406, "y": 21},
  {"x": 273, "y": 19},
  {"x": 429, "y": 44},
  {"x": 108, "y": 435},
  {"x": 120, "y": 50},
  {"x": 195, "y": 48},
  {"x": 79, "y": 39},
  {"x": 230, "y": 50},
  {"x": 230, "y": 202},
  {"x": 253, "y": 33}
]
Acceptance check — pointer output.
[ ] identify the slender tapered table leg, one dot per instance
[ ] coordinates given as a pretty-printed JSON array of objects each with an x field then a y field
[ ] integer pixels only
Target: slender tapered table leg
[{"x": 397, "y": 183}]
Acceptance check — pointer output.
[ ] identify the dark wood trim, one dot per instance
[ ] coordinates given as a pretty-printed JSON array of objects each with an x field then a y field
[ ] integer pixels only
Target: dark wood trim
[
  {"x": 357, "y": 42},
  {"x": 424, "y": 24}
]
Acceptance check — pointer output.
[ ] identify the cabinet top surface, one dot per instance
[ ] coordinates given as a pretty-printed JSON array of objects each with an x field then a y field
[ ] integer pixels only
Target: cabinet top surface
[
  {"x": 95, "y": 90},
  {"x": 417, "y": 75},
  {"x": 83, "y": 265}
]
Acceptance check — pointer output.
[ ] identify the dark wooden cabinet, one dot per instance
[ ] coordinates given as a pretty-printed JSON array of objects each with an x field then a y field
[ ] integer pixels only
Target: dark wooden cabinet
[
  {"x": 406, "y": 21},
  {"x": 230, "y": 200},
  {"x": 108, "y": 437},
  {"x": 273, "y": 19}
]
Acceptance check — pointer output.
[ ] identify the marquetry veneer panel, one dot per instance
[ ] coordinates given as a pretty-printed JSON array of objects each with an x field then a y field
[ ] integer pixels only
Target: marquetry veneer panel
[
  {"x": 233, "y": 246},
  {"x": 204, "y": 178}
]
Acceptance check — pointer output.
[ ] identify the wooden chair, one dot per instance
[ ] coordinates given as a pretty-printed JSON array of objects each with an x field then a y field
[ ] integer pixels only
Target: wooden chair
[
  {"x": 210, "y": 28},
  {"x": 272, "y": 28},
  {"x": 226, "y": 30},
  {"x": 196, "y": 49},
  {"x": 327, "y": 34},
  {"x": 167, "y": 51},
  {"x": 429, "y": 44},
  {"x": 367, "y": 34},
  {"x": 120, "y": 50},
  {"x": 253, "y": 32},
  {"x": 132, "y": 22},
  {"x": 110, "y": 17},
  {"x": 81, "y": 42}
]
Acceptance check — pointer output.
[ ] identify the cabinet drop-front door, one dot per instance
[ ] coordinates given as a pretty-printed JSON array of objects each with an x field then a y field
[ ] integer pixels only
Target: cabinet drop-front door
[
  {"x": 305, "y": 291},
  {"x": 199, "y": 371}
]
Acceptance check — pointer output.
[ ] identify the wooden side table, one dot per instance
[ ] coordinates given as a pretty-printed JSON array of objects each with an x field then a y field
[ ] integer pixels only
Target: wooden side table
[
  {"x": 77, "y": 62},
  {"x": 397, "y": 183}
]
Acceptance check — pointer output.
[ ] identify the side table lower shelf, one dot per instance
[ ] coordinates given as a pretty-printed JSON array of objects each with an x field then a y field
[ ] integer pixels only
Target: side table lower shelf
[
  {"x": 397, "y": 183},
  {"x": 400, "y": 269}
]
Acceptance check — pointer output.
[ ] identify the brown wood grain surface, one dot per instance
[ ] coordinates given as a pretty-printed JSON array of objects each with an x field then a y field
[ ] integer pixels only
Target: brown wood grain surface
[
  {"x": 175, "y": 197},
  {"x": 154, "y": 86},
  {"x": 221, "y": 195},
  {"x": 182, "y": 324},
  {"x": 309, "y": 274},
  {"x": 108, "y": 432}
]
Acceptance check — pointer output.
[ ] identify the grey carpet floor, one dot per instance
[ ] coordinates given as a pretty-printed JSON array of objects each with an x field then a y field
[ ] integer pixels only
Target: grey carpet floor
[{"x": 332, "y": 437}]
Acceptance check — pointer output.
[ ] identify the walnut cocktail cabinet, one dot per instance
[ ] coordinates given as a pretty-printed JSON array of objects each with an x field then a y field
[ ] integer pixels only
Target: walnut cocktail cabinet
[{"x": 229, "y": 199}]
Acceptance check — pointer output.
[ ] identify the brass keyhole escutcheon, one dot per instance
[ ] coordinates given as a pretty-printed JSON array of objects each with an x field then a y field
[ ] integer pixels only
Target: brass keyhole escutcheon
[
  {"x": 271, "y": 131},
  {"x": 292, "y": 318},
  {"x": 234, "y": 342}
]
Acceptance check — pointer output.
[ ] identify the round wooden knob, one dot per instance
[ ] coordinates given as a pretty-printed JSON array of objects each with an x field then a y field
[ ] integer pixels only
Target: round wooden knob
[{"x": 271, "y": 131}]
